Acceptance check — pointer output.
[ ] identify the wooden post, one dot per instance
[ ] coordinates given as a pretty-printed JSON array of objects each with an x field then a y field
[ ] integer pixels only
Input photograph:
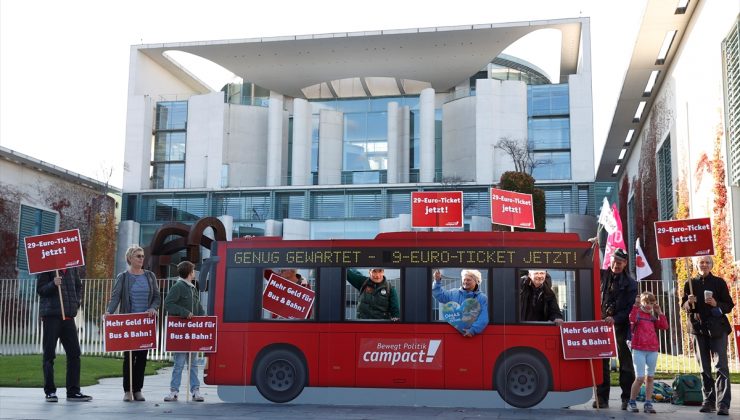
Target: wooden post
[
  {"x": 688, "y": 279},
  {"x": 593, "y": 382},
  {"x": 59, "y": 289},
  {"x": 187, "y": 391},
  {"x": 131, "y": 373}
]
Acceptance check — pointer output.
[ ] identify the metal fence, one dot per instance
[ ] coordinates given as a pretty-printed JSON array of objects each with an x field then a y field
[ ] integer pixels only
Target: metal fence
[{"x": 20, "y": 325}]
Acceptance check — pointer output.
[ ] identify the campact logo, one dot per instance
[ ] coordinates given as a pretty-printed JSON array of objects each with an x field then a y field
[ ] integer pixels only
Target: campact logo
[{"x": 400, "y": 353}]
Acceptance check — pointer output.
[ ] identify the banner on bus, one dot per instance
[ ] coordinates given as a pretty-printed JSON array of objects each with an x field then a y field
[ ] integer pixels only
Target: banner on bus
[
  {"x": 124, "y": 332},
  {"x": 511, "y": 208},
  {"x": 400, "y": 353},
  {"x": 437, "y": 209},
  {"x": 54, "y": 251},
  {"x": 684, "y": 238},
  {"x": 197, "y": 334},
  {"x": 284, "y": 298},
  {"x": 588, "y": 340}
]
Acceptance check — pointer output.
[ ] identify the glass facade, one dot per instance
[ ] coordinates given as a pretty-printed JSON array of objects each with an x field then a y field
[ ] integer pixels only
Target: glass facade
[
  {"x": 170, "y": 135},
  {"x": 665, "y": 181},
  {"x": 548, "y": 128}
]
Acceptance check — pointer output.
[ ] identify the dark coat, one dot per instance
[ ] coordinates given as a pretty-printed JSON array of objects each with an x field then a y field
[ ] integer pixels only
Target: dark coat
[
  {"x": 544, "y": 308},
  {"x": 707, "y": 317},
  {"x": 120, "y": 296},
  {"x": 72, "y": 291},
  {"x": 622, "y": 299}
]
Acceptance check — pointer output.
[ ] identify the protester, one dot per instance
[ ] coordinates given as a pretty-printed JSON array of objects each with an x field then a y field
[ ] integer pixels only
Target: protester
[
  {"x": 378, "y": 298},
  {"x": 292, "y": 275},
  {"x": 537, "y": 301},
  {"x": 469, "y": 291},
  {"x": 57, "y": 290},
  {"x": 707, "y": 307},
  {"x": 182, "y": 300},
  {"x": 646, "y": 319},
  {"x": 618, "y": 294},
  {"x": 135, "y": 290}
]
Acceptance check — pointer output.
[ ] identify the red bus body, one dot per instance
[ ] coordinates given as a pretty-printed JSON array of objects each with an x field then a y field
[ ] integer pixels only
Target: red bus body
[{"x": 330, "y": 351}]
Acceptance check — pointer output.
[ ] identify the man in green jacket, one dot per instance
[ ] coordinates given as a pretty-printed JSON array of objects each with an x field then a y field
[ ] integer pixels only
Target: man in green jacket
[
  {"x": 183, "y": 301},
  {"x": 378, "y": 298}
]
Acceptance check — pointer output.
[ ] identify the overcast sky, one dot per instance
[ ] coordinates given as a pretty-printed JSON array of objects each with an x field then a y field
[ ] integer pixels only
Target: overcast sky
[{"x": 64, "y": 64}]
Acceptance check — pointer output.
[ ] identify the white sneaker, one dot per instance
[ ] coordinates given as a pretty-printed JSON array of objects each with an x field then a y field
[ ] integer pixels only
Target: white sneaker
[
  {"x": 196, "y": 396},
  {"x": 171, "y": 397}
]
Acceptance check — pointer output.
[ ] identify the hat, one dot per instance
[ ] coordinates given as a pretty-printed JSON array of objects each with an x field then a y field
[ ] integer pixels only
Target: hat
[{"x": 619, "y": 253}]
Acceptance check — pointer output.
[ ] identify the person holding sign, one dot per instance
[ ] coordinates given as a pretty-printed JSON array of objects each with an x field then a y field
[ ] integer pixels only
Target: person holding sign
[
  {"x": 646, "y": 319},
  {"x": 378, "y": 298},
  {"x": 618, "y": 294},
  {"x": 182, "y": 300},
  {"x": 292, "y": 275},
  {"x": 471, "y": 301},
  {"x": 707, "y": 308},
  {"x": 537, "y": 301},
  {"x": 135, "y": 290},
  {"x": 60, "y": 297}
]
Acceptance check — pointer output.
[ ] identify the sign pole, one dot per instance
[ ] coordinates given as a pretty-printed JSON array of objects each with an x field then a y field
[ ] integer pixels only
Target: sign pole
[
  {"x": 187, "y": 391},
  {"x": 593, "y": 381},
  {"x": 131, "y": 372},
  {"x": 59, "y": 289},
  {"x": 688, "y": 279}
]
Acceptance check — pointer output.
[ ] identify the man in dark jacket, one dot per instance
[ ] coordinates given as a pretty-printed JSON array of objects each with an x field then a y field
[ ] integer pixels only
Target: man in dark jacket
[
  {"x": 57, "y": 288},
  {"x": 707, "y": 301},
  {"x": 537, "y": 301},
  {"x": 618, "y": 294},
  {"x": 378, "y": 298}
]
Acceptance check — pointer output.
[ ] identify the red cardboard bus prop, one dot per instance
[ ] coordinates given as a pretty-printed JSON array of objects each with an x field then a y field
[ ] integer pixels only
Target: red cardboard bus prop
[
  {"x": 124, "y": 332},
  {"x": 511, "y": 208},
  {"x": 437, "y": 209},
  {"x": 54, "y": 251},
  {"x": 684, "y": 238},
  {"x": 588, "y": 340},
  {"x": 289, "y": 300},
  {"x": 196, "y": 334},
  {"x": 736, "y": 330}
]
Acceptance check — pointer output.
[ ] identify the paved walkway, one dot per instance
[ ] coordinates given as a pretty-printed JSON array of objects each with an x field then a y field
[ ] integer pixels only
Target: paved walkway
[{"x": 28, "y": 403}]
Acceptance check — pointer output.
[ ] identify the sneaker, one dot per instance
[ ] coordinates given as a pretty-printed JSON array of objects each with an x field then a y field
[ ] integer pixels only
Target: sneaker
[
  {"x": 138, "y": 396},
  {"x": 707, "y": 408},
  {"x": 171, "y": 397},
  {"x": 128, "y": 396},
  {"x": 624, "y": 404},
  {"x": 648, "y": 408},
  {"x": 78, "y": 397},
  {"x": 633, "y": 406},
  {"x": 196, "y": 396},
  {"x": 723, "y": 411},
  {"x": 52, "y": 397}
]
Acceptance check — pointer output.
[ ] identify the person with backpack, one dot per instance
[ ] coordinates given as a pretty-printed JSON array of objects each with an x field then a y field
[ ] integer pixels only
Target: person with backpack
[
  {"x": 469, "y": 291},
  {"x": 378, "y": 298},
  {"x": 646, "y": 319},
  {"x": 707, "y": 301},
  {"x": 537, "y": 301}
]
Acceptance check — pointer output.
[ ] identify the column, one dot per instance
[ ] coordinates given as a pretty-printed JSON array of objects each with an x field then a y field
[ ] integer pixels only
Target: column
[
  {"x": 426, "y": 131},
  {"x": 274, "y": 139}
]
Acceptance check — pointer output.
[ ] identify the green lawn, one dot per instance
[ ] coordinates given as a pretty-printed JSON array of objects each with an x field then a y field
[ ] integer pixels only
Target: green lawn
[
  {"x": 668, "y": 377},
  {"x": 25, "y": 371}
]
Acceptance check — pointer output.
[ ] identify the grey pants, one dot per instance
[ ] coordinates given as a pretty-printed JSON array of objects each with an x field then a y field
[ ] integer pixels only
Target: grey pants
[{"x": 708, "y": 349}]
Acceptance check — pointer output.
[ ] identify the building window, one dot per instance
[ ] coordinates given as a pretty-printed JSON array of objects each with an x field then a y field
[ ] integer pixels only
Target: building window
[
  {"x": 170, "y": 136},
  {"x": 665, "y": 181},
  {"x": 33, "y": 222},
  {"x": 731, "y": 64},
  {"x": 553, "y": 165},
  {"x": 548, "y": 131}
]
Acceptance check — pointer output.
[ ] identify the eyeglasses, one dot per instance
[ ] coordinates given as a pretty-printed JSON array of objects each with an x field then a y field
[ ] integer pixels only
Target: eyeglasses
[{"x": 139, "y": 256}]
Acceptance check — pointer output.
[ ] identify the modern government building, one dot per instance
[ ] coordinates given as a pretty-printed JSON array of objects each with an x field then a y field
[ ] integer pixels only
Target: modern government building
[{"x": 326, "y": 135}]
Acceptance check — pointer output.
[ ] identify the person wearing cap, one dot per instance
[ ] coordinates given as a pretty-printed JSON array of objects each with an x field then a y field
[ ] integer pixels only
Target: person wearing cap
[
  {"x": 707, "y": 307},
  {"x": 469, "y": 289},
  {"x": 618, "y": 294},
  {"x": 378, "y": 298},
  {"x": 537, "y": 301}
]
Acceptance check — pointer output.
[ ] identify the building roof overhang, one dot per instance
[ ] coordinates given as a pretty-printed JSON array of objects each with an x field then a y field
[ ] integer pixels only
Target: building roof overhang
[
  {"x": 660, "y": 17},
  {"x": 441, "y": 56}
]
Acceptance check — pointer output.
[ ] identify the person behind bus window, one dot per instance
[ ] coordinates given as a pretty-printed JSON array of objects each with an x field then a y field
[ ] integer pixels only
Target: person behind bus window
[
  {"x": 378, "y": 298},
  {"x": 474, "y": 303},
  {"x": 292, "y": 275},
  {"x": 537, "y": 301}
]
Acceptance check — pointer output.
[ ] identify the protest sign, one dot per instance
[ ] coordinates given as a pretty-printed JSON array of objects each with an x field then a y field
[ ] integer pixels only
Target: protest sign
[
  {"x": 588, "y": 340},
  {"x": 197, "y": 334},
  {"x": 53, "y": 251},
  {"x": 511, "y": 208},
  {"x": 124, "y": 332},
  {"x": 684, "y": 238},
  {"x": 284, "y": 298},
  {"x": 436, "y": 209}
]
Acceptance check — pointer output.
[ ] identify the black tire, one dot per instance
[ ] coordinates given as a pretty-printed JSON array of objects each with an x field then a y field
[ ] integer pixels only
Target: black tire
[
  {"x": 280, "y": 375},
  {"x": 522, "y": 378}
]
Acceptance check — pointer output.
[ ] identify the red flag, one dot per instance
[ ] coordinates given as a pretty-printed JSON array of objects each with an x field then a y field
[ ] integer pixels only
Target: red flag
[{"x": 614, "y": 240}]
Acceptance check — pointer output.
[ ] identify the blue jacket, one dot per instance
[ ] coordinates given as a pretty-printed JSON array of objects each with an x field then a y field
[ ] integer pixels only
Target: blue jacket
[{"x": 459, "y": 296}]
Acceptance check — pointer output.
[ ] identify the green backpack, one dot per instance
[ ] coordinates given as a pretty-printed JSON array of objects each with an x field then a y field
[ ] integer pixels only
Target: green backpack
[
  {"x": 662, "y": 392},
  {"x": 687, "y": 390}
]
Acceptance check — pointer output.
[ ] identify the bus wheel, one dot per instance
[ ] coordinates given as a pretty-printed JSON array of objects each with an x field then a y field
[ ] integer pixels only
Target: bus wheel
[
  {"x": 280, "y": 375},
  {"x": 522, "y": 379}
]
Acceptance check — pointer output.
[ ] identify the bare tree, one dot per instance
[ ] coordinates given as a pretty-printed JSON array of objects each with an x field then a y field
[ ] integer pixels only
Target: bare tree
[{"x": 521, "y": 153}]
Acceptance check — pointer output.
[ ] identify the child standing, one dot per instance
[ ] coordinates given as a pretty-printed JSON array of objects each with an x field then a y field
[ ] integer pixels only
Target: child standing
[{"x": 646, "y": 319}]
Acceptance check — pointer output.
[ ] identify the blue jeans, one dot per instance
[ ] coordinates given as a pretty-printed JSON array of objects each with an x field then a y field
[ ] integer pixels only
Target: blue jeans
[{"x": 181, "y": 359}]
